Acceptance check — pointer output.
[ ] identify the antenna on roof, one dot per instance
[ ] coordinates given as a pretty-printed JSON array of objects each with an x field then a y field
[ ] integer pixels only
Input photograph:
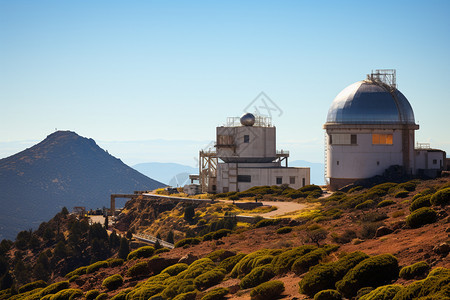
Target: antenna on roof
[{"x": 386, "y": 76}]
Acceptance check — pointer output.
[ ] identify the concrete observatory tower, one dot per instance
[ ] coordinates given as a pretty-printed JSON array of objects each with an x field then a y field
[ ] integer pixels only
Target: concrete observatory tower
[{"x": 370, "y": 127}]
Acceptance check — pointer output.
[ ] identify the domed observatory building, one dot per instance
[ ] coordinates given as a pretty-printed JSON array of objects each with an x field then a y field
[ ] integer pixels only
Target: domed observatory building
[
  {"x": 370, "y": 127},
  {"x": 246, "y": 156}
]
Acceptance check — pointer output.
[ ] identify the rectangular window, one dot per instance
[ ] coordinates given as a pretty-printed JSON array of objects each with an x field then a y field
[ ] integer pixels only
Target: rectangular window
[
  {"x": 303, "y": 182},
  {"x": 244, "y": 178},
  {"x": 342, "y": 139},
  {"x": 279, "y": 180},
  {"x": 246, "y": 138},
  {"x": 382, "y": 139},
  {"x": 292, "y": 180},
  {"x": 225, "y": 140},
  {"x": 434, "y": 161}
]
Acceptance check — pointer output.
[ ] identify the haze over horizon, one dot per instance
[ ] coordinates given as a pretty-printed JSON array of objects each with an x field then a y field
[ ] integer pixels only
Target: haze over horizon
[{"x": 150, "y": 81}]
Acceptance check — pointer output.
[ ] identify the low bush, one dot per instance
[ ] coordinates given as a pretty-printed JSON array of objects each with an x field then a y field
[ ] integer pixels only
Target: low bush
[
  {"x": 420, "y": 217},
  {"x": 422, "y": 201},
  {"x": 262, "y": 260},
  {"x": 139, "y": 269},
  {"x": 328, "y": 295},
  {"x": 363, "y": 291},
  {"x": 345, "y": 237},
  {"x": 92, "y": 294},
  {"x": 145, "y": 291},
  {"x": 303, "y": 263},
  {"x": 386, "y": 203},
  {"x": 415, "y": 270},
  {"x": 73, "y": 278},
  {"x": 142, "y": 252},
  {"x": 408, "y": 186},
  {"x": 161, "y": 250},
  {"x": 245, "y": 265},
  {"x": 441, "y": 197},
  {"x": 385, "y": 187},
  {"x": 186, "y": 296},
  {"x": 102, "y": 296},
  {"x": 113, "y": 282},
  {"x": 175, "y": 269},
  {"x": 284, "y": 230},
  {"x": 268, "y": 290},
  {"x": 115, "y": 262},
  {"x": 209, "y": 278},
  {"x": 283, "y": 262},
  {"x": 80, "y": 271},
  {"x": 229, "y": 263},
  {"x": 366, "y": 204},
  {"x": 257, "y": 276},
  {"x": 54, "y": 288},
  {"x": 267, "y": 222},
  {"x": 435, "y": 286},
  {"x": 216, "y": 294},
  {"x": 401, "y": 194},
  {"x": 386, "y": 292},
  {"x": 373, "y": 271},
  {"x": 122, "y": 295},
  {"x": 96, "y": 266},
  {"x": 187, "y": 241},
  {"x": 221, "y": 233},
  {"x": 67, "y": 294},
  {"x": 325, "y": 276},
  {"x": 220, "y": 255},
  {"x": 32, "y": 285},
  {"x": 310, "y": 188},
  {"x": 178, "y": 287},
  {"x": 197, "y": 268}
]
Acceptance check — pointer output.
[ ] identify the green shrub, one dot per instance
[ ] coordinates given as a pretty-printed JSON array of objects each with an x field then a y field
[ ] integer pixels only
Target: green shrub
[
  {"x": 310, "y": 188},
  {"x": 73, "y": 278},
  {"x": 386, "y": 292},
  {"x": 102, "y": 296},
  {"x": 401, "y": 194},
  {"x": 145, "y": 291},
  {"x": 175, "y": 269},
  {"x": 216, "y": 294},
  {"x": 284, "y": 230},
  {"x": 303, "y": 263},
  {"x": 197, "y": 268},
  {"x": 283, "y": 262},
  {"x": 220, "y": 255},
  {"x": 186, "y": 296},
  {"x": 54, "y": 288},
  {"x": 325, "y": 276},
  {"x": 178, "y": 287},
  {"x": 420, "y": 217},
  {"x": 92, "y": 294},
  {"x": 435, "y": 286},
  {"x": 30, "y": 295},
  {"x": 209, "y": 278},
  {"x": 80, "y": 271},
  {"x": 268, "y": 290},
  {"x": 366, "y": 204},
  {"x": 422, "y": 201},
  {"x": 113, "y": 282},
  {"x": 229, "y": 263},
  {"x": 441, "y": 197},
  {"x": 415, "y": 270},
  {"x": 96, "y": 266},
  {"x": 409, "y": 186},
  {"x": 187, "y": 241},
  {"x": 122, "y": 295},
  {"x": 221, "y": 233},
  {"x": 67, "y": 294},
  {"x": 32, "y": 285},
  {"x": 262, "y": 260},
  {"x": 363, "y": 291},
  {"x": 385, "y": 187},
  {"x": 115, "y": 262},
  {"x": 386, "y": 203},
  {"x": 139, "y": 269},
  {"x": 161, "y": 250},
  {"x": 267, "y": 222},
  {"x": 328, "y": 295},
  {"x": 257, "y": 276},
  {"x": 355, "y": 189},
  {"x": 142, "y": 252},
  {"x": 245, "y": 265},
  {"x": 373, "y": 271}
]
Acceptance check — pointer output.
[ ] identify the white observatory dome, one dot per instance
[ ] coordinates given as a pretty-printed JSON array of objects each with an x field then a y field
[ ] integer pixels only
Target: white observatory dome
[{"x": 370, "y": 102}]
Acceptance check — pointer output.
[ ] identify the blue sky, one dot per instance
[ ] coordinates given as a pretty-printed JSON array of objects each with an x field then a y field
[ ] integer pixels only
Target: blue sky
[{"x": 129, "y": 73}]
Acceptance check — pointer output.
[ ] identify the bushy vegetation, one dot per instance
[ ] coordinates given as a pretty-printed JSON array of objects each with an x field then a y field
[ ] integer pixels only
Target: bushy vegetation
[
  {"x": 220, "y": 255},
  {"x": 80, "y": 271},
  {"x": 139, "y": 269},
  {"x": 229, "y": 263},
  {"x": 142, "y": 252},
  {"x": 401, "y": 194},
  {"x": 422, "y": 201},
  {"x": 32, "y": 285},
  {"x": 268, "y": 290},
  {"x": 178, "y": 287},
  {"x": 92, "y": 294},
  {"x": 284, "y": 230},
  {"x": 115, "y": 262},
  {"x": 304, "y": 262},
  {"x": 145, "y": 291},
  {"x": 435, "y": 286},
  {"x": 209, "y": 278},
  {"x": 328, "y": 295},
  {"x": 386, "y": 292},
  {"x": 96, "y": 266},
  {"x": 386, "y": 202},
  {"x": 267, "y": 222},
  {"x": 54, "y": 288},
  {"x": 67, "y": 294},
  {"x": 283, "y": 262},
  {"x": 366, "y": 204},
  {"x": 187, "y": 241},
  {"x": 197, "y": 268},
  {"x": 415, "y": 270},
  {"x": 186, "y": 296},
  {"x": 175, "y": 269},
  {"x": 441, "y": 197},
  {"x": 245, "y": 264},
  {"x": 325, "y": 276},
  {"x": 113, "y": 282},
  {"x": 420, "y": 217},
  {"x": 257, "y": 276},
  {"x": 216, "y": 294},
  {"x": 373, "y": 271}
]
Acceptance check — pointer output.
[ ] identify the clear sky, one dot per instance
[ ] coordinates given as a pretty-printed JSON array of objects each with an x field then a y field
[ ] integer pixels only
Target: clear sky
[{"x": 125, "y": 72}]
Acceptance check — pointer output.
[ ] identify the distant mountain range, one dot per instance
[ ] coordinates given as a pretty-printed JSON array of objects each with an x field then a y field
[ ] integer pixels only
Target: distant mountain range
[
  {"x": 174, "y": 174},
  {"x": 65, "y": 169}
]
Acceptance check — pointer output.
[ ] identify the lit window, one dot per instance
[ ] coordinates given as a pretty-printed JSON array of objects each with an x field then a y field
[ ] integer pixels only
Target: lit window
[
  {"x": 292, "y": 180},
  {"x": 246, "y": 138},
  {"x": 279, "y": 180},
  {"x": 382, "y": 139}
]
